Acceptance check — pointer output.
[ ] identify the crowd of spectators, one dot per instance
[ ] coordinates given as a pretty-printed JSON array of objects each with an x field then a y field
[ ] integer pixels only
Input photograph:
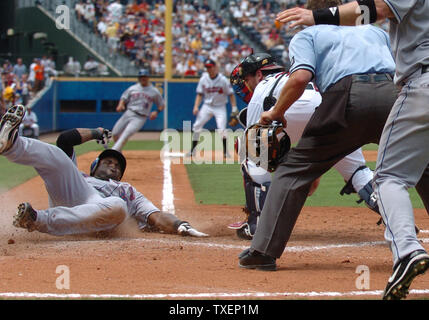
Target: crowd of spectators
[
  {"x": 91, "y": 68},
  {"x": 137, "y": 30},
  {"x": 20, "y": 83},
  {"x": 256, "y": 18}
]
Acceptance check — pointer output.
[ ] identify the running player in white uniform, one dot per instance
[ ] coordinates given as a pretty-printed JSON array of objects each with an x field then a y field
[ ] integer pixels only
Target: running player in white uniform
[
  {"x": 264, "y": 78},
  {"x": 137, "y": 100},
  {"x": 80, "y": 204},
  {"x": 215, "y": 89}
]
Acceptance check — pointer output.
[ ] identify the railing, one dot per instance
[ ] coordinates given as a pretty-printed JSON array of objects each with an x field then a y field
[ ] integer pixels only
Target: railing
[{"x": 117, "y": 62}]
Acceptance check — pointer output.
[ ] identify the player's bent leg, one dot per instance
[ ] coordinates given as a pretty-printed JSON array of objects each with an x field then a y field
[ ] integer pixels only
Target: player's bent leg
[
  {"x": 348, "y": 168},
  {"x": 64, "y": 183},
  {"x": 221, "y": 121},
  {"x": 133, "y": 126},
  {"x": 391, "y": 182},
  {"x": 120, "y": 125},
  {"x": 255, "y": 194},
  {"x": 105, "y": 214}
]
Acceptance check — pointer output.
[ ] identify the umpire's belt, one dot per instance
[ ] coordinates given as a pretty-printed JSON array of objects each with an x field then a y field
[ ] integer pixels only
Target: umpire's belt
[{"x": 372, "y": 77}]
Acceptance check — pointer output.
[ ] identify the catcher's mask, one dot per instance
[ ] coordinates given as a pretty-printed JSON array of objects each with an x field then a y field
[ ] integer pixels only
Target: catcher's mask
[
  {"x": 240, "y": 86},
  {"x": 266, "y": 144},
  {"x": 249, "y": 65},
  {"x": 109, "y": 153}
]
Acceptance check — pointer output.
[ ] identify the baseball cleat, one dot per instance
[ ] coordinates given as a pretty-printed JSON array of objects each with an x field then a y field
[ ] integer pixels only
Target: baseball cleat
[
  {"x": 416, "y": 263},
  {"x": 25, "y": 217},
  {"x": 9, "y": 126},
  {"x": 237, "y": 225},
  {"x": 250, "y": 259},
  {"x": 242, "y": 229}
]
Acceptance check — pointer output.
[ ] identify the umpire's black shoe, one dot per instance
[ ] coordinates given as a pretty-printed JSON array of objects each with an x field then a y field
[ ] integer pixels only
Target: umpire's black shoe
[
  {"x": 251, "y": 259},
  {"x": 416, "y": 263}
]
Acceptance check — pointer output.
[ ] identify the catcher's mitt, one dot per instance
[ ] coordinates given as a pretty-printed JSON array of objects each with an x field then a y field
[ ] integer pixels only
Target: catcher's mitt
[
  {"x": 233, "y": 121},
  {"x": 265, "y": 145}
]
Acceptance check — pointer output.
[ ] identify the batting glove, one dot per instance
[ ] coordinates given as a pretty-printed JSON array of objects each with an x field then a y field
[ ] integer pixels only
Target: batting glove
[
  {"x": 105, "y": 138},
  {"x": 185, "y": 229}
]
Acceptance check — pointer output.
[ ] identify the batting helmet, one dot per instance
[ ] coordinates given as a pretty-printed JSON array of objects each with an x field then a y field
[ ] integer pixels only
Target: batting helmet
[
  {"x": 109, "y": 153},
  {"x": 249, "y": 65},
  {"x": 209, "y": 63}
]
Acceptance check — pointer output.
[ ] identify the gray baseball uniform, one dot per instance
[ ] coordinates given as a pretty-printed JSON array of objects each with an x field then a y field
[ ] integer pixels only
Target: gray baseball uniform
[
  {"x": 403, "y": 156},
  {"x": 139, "y": 101},
  {"x": 79, "y": 203}
]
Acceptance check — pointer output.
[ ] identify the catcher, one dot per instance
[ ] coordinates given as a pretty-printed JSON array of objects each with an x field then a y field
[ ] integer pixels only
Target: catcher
[
  {"x": 258, "y": 80},
  {"x": 80, "y": 203}
]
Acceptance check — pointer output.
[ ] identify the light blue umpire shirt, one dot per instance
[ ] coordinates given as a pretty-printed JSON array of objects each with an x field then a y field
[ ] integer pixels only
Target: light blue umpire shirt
[{"x": 334, "y": 52}]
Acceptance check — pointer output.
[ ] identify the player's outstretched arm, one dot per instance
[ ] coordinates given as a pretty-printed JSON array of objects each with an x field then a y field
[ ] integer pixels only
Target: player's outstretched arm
[
  {"x": 169, "y": 223},
  {"x": 73, "y": 137},
  {"x": 348, "y": 14}
]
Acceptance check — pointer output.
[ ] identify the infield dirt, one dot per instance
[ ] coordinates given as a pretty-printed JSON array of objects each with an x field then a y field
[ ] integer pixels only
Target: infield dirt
[{"x": 326, "y": 247}]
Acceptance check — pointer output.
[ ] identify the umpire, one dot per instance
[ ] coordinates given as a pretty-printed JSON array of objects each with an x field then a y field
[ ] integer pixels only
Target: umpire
[
  {"x": 403, "y": 156},
  {"x": 353, "y": 69}
]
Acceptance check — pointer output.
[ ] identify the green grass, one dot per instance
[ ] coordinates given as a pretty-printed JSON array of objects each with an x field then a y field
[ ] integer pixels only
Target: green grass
[
  {"x": 223, "y": 184},
  {"x": 216, "y": 183},
  {"x": 12, "y": 174}
]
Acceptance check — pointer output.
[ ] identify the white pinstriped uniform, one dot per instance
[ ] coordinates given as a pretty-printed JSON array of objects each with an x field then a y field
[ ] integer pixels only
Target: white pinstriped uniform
[{"x": 215, "y": 97}]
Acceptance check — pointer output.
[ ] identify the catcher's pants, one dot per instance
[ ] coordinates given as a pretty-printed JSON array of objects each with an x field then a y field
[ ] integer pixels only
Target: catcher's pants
[
  {"x": 75, "y": 206},
  {"x": 402, "y": 163},
  {"x": 128, "y": 124},
  {"x": 351, "y": 115},
  {"x": 206, "y": 113}
]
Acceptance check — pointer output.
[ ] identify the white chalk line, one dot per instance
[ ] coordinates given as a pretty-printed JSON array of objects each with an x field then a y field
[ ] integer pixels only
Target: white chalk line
[
  {"x": 204, "y": 295},
  {"x": 287, "y": 249},
  {"x": 167, "y": 189},
  {"x": 191, "y": 243}
]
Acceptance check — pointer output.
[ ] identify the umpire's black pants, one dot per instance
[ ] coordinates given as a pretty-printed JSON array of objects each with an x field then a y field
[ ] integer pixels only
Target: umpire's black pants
[{"x": 351, "y": 115}]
